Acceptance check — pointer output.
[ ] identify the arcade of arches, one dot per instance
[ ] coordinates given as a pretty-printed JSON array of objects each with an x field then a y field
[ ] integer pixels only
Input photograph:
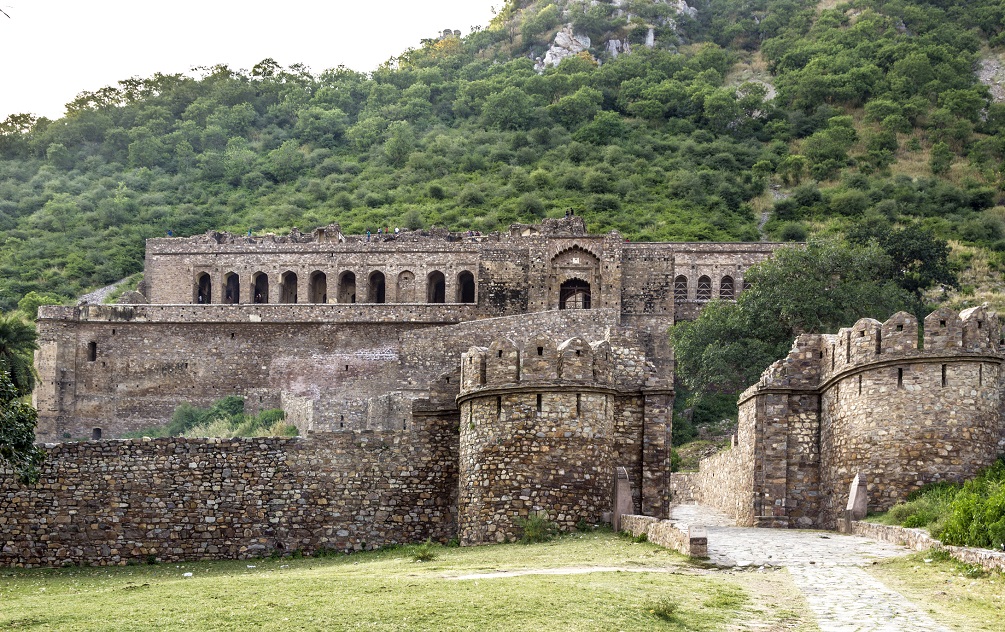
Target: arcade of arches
[{"x": 406, "y": 289}]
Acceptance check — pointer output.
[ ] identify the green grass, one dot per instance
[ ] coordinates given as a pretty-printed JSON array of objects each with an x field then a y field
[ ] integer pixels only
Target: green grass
[
  {"x": 954, "y": 593},
  {"x": 387, "y": 590}
]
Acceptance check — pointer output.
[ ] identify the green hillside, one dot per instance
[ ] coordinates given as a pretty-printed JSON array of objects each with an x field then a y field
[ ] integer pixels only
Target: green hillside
[{"x": 879, "y": 121}]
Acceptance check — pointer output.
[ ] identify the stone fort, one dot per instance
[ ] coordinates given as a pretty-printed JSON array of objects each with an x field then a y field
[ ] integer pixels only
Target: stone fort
[{"x": 449, "y": 385}]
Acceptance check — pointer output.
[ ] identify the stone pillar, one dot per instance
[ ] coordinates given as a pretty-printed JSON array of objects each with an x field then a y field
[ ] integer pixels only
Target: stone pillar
[{"x": 657, "y": 420}]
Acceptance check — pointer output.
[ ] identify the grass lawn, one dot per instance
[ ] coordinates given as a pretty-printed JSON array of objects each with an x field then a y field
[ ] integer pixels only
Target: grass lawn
[
  {"x": 388, "y": 590},
  {"x": 954, "y": 593}
]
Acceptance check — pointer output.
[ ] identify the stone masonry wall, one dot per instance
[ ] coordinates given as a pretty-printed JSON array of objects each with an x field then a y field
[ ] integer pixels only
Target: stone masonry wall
[
  {"x": 876, "y": 399},
  {"x": 517, "y": 460},
  {"x": 115, "y": 502}
]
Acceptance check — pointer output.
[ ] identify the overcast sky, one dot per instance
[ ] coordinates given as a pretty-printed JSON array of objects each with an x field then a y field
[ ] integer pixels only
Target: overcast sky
[{"x": 54, "y": 49}]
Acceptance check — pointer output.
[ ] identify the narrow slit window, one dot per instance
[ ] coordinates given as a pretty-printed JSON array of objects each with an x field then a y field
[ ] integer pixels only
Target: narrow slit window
[
  {"x": 500, "y": 354},
  {"x": 833, "y": 356},
  {"x": 944, "y": 380},
  {"x": 538, "y": 402},
  {"x": 579, "y": 405},
  {"x": 540, "y": 351},
  {"x": 879, "y": 342},
  {"x": 900, "y": 378},
  {"x": 980, "y": 374},
  {"x": 92, "y": 351},
  {"x": 860, "y": 385},
  {"x": 498, "y": 407}
]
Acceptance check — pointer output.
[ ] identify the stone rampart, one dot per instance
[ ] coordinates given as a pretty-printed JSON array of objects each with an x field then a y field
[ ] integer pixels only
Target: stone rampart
[
  {"x": 117, "y": 502},
  {"x": 898, "y": 406}
]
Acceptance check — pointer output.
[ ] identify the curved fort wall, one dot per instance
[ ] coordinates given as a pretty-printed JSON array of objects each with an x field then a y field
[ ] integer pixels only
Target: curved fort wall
[
  {"x": 898, "y": 406},
  {"x": 536, "y": 435}
]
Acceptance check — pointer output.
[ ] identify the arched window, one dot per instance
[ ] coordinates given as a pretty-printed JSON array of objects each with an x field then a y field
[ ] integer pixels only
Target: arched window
[
  {"x": 704, "y": 288},
  {"x": 376, "y": 289},
  {"x": 574, "y": 294},
  {"x": 204, "y": 289},
  {"x": 288, "y": 288},
  {"x": 317, "y": 289},
  {"x": 726, "y": 288},
  {"x": 680, "y": 288},
  {"x": 465, "y": 287},
  {"x": 232, "y": 288},
  {"x": 406, "y": 287},
  {"x": 261, "y": 281},
  {"x": 436, "y": 287},
  {"x": 347, "y": 288}
]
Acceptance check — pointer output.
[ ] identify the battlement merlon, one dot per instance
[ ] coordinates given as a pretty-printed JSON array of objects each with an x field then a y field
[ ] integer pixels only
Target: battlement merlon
[{"x": 816, "y": 359}]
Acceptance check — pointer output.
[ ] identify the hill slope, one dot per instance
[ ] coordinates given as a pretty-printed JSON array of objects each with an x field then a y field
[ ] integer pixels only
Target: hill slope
[{"x": 879, "y": 120}]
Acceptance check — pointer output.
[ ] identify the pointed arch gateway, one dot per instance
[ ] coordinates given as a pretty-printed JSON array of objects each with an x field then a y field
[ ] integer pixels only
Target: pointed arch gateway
[
  {"x": 465, "y": 287},
  {"x": 204, "y": 289},
  {"x": 317, "y": 288}
]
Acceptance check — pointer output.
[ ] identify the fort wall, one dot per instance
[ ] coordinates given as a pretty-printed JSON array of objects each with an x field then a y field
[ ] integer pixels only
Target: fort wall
[
  {"x": 898, "y": 406},
  {"x": 119, "y": 502}
]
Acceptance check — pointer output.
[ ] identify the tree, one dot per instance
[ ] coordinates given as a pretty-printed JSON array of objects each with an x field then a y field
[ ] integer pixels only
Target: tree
[
  {"x": 819, "y": 288},
  {"x": 17, "y": 344},
  {"x": 510, "y": 109},
  {"x": 919, "y": 260},
  {"x": 17, "y": 433}
]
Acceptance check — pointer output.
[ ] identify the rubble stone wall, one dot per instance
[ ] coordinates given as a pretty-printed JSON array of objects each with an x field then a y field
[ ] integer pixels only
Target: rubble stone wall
[{"x": 116, "y": 502}]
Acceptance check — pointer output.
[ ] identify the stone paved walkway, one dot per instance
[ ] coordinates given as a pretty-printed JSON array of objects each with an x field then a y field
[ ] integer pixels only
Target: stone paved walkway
[{"x": 825, "y": 566}]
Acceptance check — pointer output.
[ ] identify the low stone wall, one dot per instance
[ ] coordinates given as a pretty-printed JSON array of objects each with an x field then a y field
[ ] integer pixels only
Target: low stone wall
[
  {"x": 920, "y": 540},
  {"x": 691, "y": 541},
  {"x": 115, "y": 502}
]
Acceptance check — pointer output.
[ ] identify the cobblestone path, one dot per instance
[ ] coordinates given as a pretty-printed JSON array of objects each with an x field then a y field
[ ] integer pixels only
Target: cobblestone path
[{"x": 825, "y": 566}]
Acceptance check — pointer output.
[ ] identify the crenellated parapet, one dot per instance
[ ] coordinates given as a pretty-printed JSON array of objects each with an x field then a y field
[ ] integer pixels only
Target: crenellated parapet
[
  {"x": 815, "y": 360},
  {"x": 899, "y": 403}
]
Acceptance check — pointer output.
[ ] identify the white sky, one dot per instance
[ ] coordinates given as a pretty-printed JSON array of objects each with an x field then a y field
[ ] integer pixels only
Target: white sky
[{"x": 54, "y": 49}]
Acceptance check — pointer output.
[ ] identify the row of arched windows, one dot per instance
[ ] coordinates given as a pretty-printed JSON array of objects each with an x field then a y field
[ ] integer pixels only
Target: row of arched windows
[
  {"x": 375, "y": 288},
  {"x": 727, "y": 288}
]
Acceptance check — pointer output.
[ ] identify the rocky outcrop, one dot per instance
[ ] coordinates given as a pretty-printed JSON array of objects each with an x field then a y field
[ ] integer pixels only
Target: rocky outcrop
[{"x": 567, "y": 43}]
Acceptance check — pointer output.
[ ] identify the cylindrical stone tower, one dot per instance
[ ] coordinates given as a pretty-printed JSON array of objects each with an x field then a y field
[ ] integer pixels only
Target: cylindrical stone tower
[{"x": 536, "y": 436}]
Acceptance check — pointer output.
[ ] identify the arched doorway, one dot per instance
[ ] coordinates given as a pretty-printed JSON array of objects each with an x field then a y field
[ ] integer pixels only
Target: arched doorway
[
  {"x": 436, "y": 287},
  {"x": 726, "y": 290},
  {"x": 317, "y": 289},
  {"x": 704, "y": 288},
  {"x": 376, "y": 287},
  {"x": 288, "y": 288},
  {"x": 465, "y": 287},
  {"x": 347, "y": 287},
  {"x": 261, "y": 282},
  {"x": 406, "y": 287},
  {"x": 574, "y": 294},
  {"x": 232, "y": 288},
  {"x": 680, "y": 288},
  {"x": 204, "y": 289}
]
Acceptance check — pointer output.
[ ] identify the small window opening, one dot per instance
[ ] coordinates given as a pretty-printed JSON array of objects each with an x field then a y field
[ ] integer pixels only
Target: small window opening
[
  {"x": 92, "y": 351},
  {"x": 861, "y": 334},
  {"x": 847, "y": 349},
  {"x": 347, "y": 367},
  {"x": 577, "y": 353},
  {"x": 833, "y": 356},
  {"x": 540, "y": 351},
  {"x": 538, "y": 402},
  {"x": 500, "y": 354},
  {"x": 900, "y": 328},
  {"x": 498, "y": 407},
  {"x": 942, "y": 323},
  {"x": 821, "y": 355},
  {"x": 96, "y": 434},
  {"x": 448, "y": 379},
  {"x": 404, "y": 424},
  {"x": 860, "y": 385},
  {"x": 979, "y": 324},
  {"x": 579, "y": 405},
  {"x": 231, "y": 335},
  {"x": 879, "y": 342},
  {"x": 113, "y": 332},
  {"x": 980, "y": 374},
  {"x": 944, "y": 382},
  {"x": 900, "y": 378}
]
